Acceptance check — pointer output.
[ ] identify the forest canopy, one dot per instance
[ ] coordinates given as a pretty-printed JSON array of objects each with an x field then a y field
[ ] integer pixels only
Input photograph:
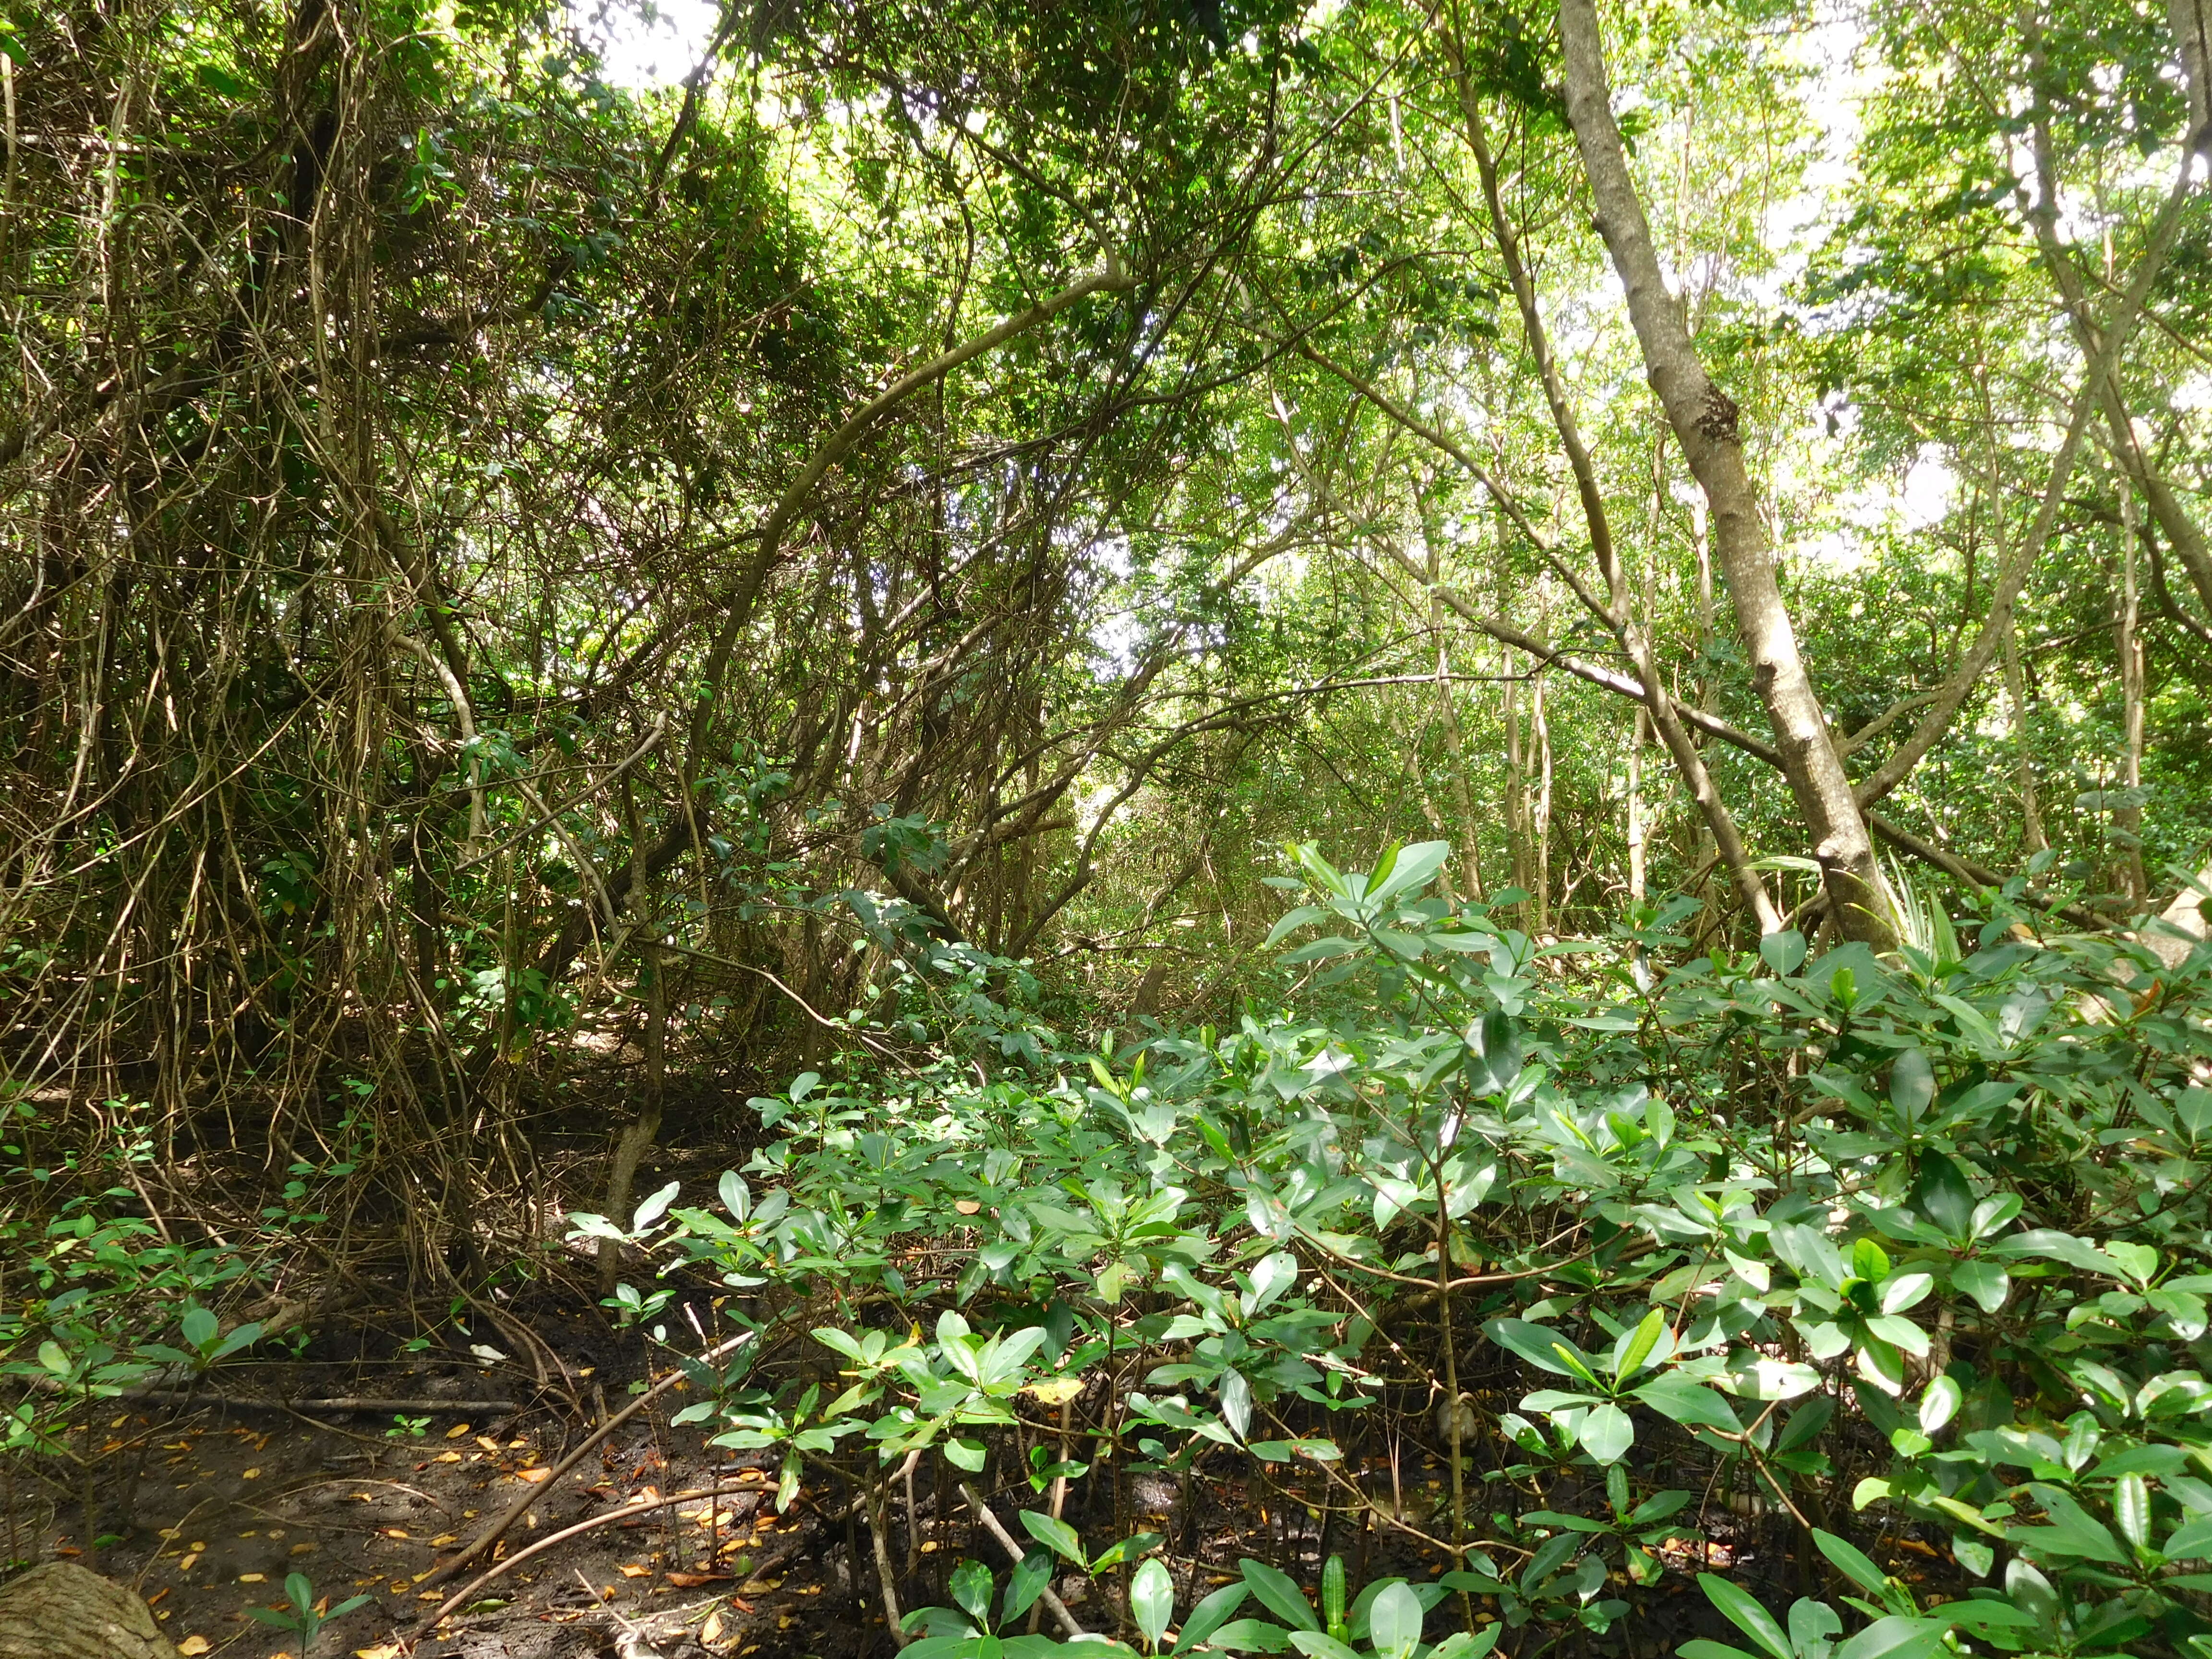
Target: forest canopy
[{"x": 1424, "y": 780}]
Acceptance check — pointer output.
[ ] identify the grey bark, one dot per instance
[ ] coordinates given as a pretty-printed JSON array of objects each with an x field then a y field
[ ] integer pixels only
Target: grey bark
[
  {"x": 1704, "y": 419},
  {"x": 62, "y": 1611}
]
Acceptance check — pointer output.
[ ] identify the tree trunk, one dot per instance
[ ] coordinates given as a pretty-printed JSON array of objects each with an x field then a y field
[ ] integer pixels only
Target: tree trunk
[
  {"x": 61, "y": 1611},
  {"x": 2031, "y": 811},
  {"x": 2127, "y": 644},
  {"x": 1704, "y": 418}
]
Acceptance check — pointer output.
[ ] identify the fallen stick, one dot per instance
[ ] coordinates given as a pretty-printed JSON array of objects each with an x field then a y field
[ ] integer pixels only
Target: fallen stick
[
  {"x": 461, "y": 1597},
  {"x": 348, "y": 1403},
  {"x": 1006, "y": 1541},
  {"x": 535, "y": 1494}
]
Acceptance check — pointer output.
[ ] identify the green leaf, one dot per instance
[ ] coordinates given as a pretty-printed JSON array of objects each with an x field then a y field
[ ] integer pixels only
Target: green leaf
[
  {"x": 1055, "y": 1535},
  {"x": 1940, "y": 1403},
  {"x": 1895, "y": 1637},
  {"x": 970, "y": 1585},
  {"x": 199, "y": 1327},
  {"x": 1911, "y": 1085},
  {"x": 1675, "y": 1397},
  {"x": 1151, "y": 1601},
  {"x": 1638, "y": 1346},
  {"x": 1985, "y": 1281},
  {"x": 1407, "y": 870},
  {"x": 1278, "y": 1594},
  {"x": 1542, "y": 1346},
  {"x": 655, "y": 1207},
  {"x": 1318, "y": 1644},
  {"x": 1393, "y": 1623},
  {"x": 1852, "y": 1562},
  {"x": 1030, "y": 1575},
  {"x": 1744, "y": 1611},
  {"x": 2191, "y": 1541},
  {"x": 1607, "y": 1433},
  {"x": 968, "y": 1454},
  {"x": 1783, "y": 954},
  {"x": 1209, "y": 1615},
  {"x": 1942, "y": 1192},
  {"x": 2131, "y": 1508}
]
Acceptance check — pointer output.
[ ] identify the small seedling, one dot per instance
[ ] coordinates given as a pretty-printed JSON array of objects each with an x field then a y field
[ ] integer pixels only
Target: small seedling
[
  {"x": 305, "y": 1617},
  {"x": 408, "y": 1428}
]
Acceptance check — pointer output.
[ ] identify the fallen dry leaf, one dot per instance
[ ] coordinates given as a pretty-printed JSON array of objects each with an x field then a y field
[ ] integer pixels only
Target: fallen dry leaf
[
  {"x": 394, "y": 1532},
  {"x": 968, "y": 1206},
  {"x": 253, "y": 1578},
  {"x": 446, "y": 1457},
  {"x": 531, "y": 1475},
  {"x": 249, "y": 1475},
  {"x": 193, "y": 1645},
  {"x": 457, "y": 1431},
  {"x": 303, "y": 1549},
  {"x": 631, "y": 1570},
  {"x": 381, "y": 1650},
  {"x": 693, "y": 1580},
  {"x": 487, "y": 1442}
]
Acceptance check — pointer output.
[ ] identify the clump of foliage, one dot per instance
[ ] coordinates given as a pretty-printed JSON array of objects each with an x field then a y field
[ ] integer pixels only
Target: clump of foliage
[{"x": 1608, "y": 1229}]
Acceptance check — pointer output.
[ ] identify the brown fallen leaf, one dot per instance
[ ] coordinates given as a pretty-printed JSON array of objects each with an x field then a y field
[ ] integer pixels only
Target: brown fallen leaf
[
  {"x": 632, "y": 1570},
  {"x": 191, "y": 1646},
  {"x": 968, "y": 1206},
  {"x": 531, "y": 1475},
  {"x": 693, "y": 1580}
]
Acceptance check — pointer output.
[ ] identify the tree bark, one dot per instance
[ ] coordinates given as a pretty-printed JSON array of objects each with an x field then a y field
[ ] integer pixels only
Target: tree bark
[
  {"x": 1704, "y": 421},
  {"x": 62, "y": 1611}
]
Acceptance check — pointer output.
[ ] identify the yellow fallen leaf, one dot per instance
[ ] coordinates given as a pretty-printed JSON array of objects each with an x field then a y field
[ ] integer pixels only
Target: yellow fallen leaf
[
  {"x": 193, "y": 1645},
  {"x": 631, "y": 1570},
  {"x": 531, "y": 1475},
  {"x": 253, "y": 1578},
  {"x": 446, "y": 1457},
  {"x": 457, "y": 1431},
  {"x": 487, "y": 1442},
  {"x": 303, "y": 1549},
  {"x": 381, "y": 1650},
  {"x": 394, "y": 1532},
  {"x": 249, "y": 1475},
  {"x": 444, "y": 1539}
]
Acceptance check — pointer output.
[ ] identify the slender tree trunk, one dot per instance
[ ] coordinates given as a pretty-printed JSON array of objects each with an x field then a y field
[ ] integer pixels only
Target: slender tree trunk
[
  {"x": 1516, "y": 788},
  {"x": 1704, "y": 421},
  {"x": 2031, "y": 811},
  {"x": 1463, "y": 829},
  {"x": 2127, "y": 644},
  {"x": 1635, "y": 810},
  {"x": 1540, "y": 829}
]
